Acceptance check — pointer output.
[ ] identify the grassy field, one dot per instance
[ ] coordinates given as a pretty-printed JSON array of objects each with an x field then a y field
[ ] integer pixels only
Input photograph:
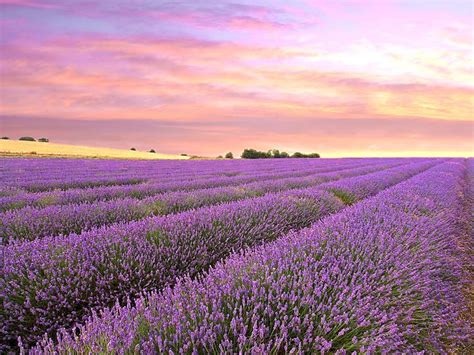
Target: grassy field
[{"x": 37, "y": 149}]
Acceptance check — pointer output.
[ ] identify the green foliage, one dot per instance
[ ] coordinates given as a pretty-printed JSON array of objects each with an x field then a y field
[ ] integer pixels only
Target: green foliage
[
  {"x": 274, "y": 153},
  {"x": 159, "y": 238},
  {"x": 344, "y": 196},
  {"x": 301, "y": 155},
  {"x": 254, "y": 154},
  {"x": 229, "y": 155}
]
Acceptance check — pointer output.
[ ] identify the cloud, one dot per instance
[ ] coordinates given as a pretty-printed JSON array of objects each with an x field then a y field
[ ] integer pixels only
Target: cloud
[
  {"x": 30, "y": 4},
  {"x": 102, "y": 77}
]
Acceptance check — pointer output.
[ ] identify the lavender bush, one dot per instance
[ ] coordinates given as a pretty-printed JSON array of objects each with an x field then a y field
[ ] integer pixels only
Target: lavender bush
[
  {"x": 385, "y": 275},
  {"x": 55, "y": 281},
  {"x": 31, "y": 223},
  {"x": 178, "y": 182}
]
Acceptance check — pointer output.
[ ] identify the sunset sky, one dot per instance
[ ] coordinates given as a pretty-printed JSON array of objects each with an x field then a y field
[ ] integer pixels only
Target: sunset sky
[{"x": 342, "y": 78}]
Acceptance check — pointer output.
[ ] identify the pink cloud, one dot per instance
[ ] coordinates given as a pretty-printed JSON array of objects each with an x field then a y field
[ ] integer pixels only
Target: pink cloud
[{"x": 30, "y": 4}]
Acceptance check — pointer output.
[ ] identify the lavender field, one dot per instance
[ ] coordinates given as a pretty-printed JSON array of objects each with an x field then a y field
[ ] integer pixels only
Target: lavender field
[{"x": 237, "y": 256}]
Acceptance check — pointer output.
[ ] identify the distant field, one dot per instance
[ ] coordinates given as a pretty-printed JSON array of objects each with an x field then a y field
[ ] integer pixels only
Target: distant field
[{"x": 24, "y": 148}]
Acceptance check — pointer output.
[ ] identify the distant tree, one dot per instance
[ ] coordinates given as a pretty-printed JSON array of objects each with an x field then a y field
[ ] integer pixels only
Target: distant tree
[
  {"x": 254, "y": 154},
  {"x": 229, "y": 155},
  {"x": 29, "y": 139},
  {"x": 249, "y": 154},
  {"x": 151, "y": 151},
  {"x": 5, "y": 137},
  {"x": 184, "y": 155},
  {"x": 301, "y": 155},
  {"x": 220, "y": 157},
  {"x": 44, "y": 140},
  {"x": 133, "y": 149},
  {"x": 276, "y": 154}
]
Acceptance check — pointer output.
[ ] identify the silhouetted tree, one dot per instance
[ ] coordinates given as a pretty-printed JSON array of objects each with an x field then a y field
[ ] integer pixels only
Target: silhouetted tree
[
  {"x": 5, "y": 137},
  {"x": 152, "y": 151},
  {"x": 229, "y": 155},
  {"x": 44, "y": 140},
  {"x": 133, "y": 149},
  {"x": 29, "y": 139},
  {"x": 301, "y": 155},
  {"x": 276, "y": 153}
]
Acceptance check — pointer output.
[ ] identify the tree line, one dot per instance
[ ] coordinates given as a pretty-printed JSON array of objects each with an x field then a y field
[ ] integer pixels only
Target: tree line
[
  {"x": 273, "y": 154},
  {"x": 29, "y": 139}
]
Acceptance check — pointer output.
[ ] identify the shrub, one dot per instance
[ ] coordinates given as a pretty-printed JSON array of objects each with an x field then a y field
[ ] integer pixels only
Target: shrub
[
  {"x": 255, "y": 154},
  {"x": 301, "y": 155},
  {"x": 152, "y": 151},
  {"x": 229, "y": 155},
  {"x": 275, "y": 153},
  {"x": 44, "y": 140},
  {"x": 133, "y": 149},
  {"x": 29, "y": 139}
]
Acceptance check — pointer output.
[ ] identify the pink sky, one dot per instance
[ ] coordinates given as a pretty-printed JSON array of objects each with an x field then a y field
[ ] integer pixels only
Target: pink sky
[{"x": 342, "y": 78}]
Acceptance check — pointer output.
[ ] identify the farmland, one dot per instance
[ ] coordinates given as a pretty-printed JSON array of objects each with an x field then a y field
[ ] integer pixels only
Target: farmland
[
  {"x": 51, "y": 150},
  {"x": 264, "y": 256}
]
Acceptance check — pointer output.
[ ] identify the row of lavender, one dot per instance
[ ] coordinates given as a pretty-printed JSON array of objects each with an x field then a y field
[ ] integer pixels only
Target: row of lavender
[
  {"x": 55, "y": 281},
  {"x": 386, "y": 275},
  {"x": 30, "y": 223},
  {"x": 79, "y": 173},
  {"x": 179, "y": 183}
]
